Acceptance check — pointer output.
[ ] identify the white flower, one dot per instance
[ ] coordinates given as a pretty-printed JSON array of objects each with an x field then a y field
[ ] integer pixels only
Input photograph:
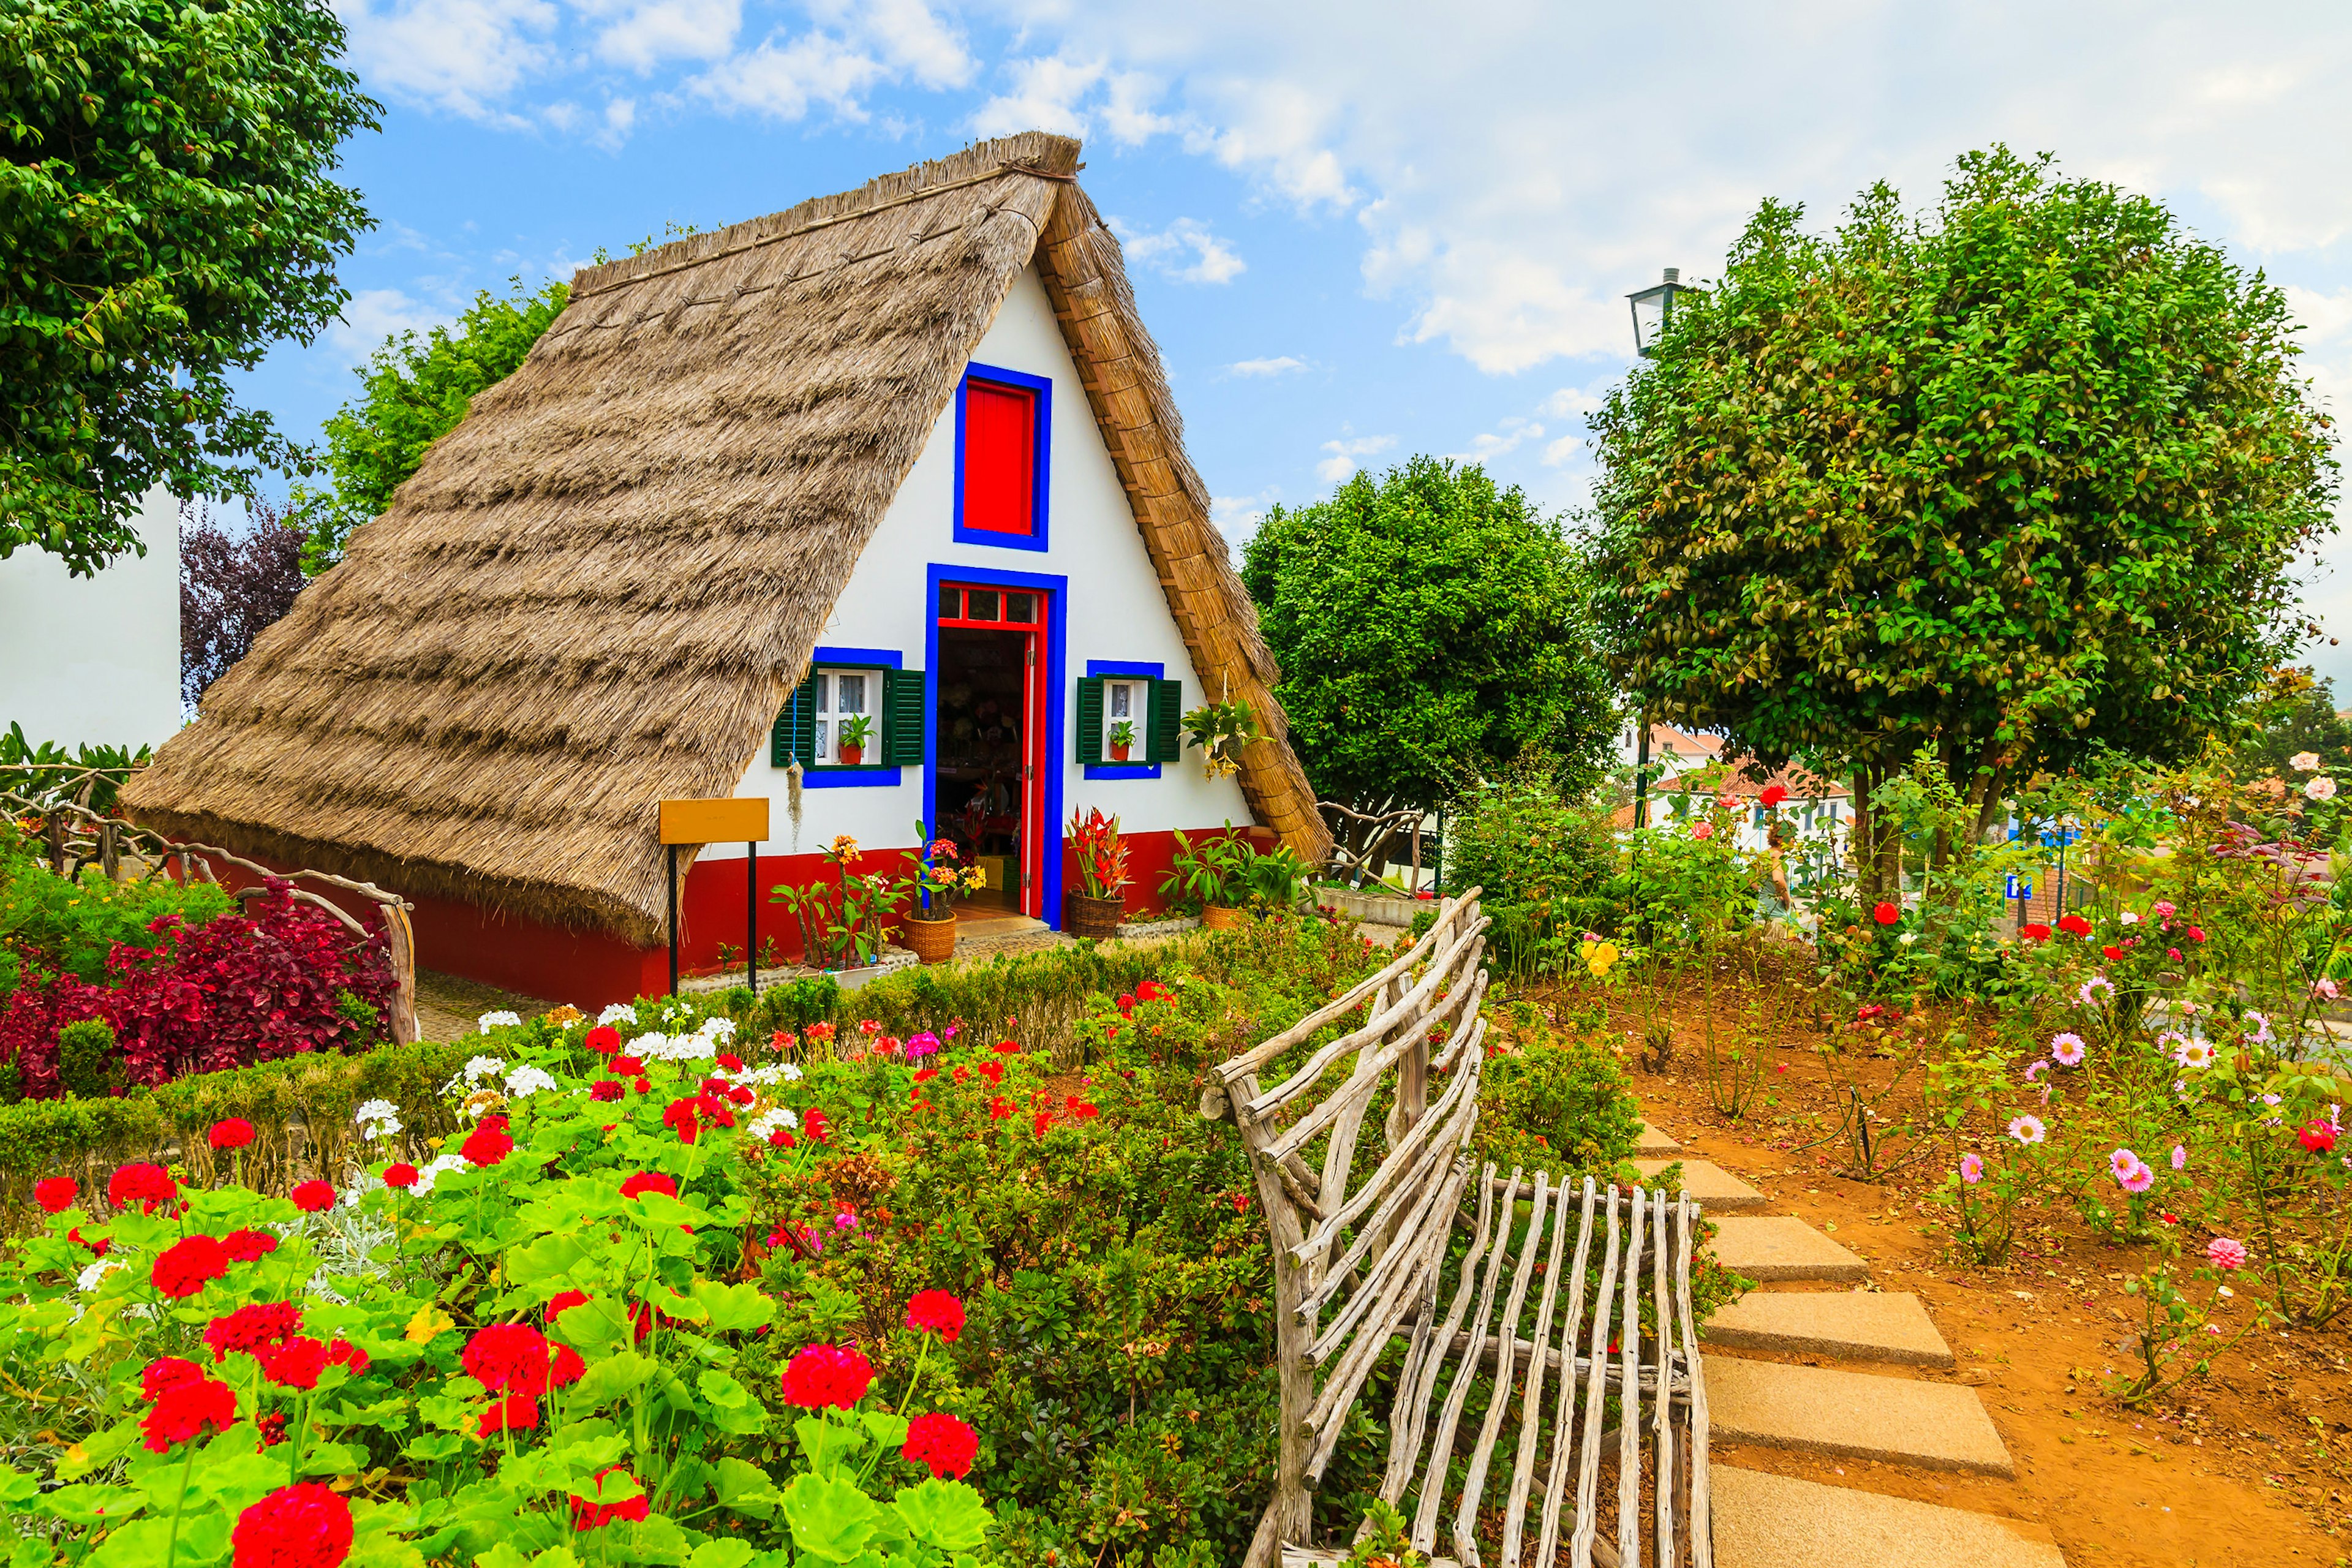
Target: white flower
[
  {"x": 779, "y": 1118},
  {"x": 377, "y": 1118},
  {"x": 2129, "y": 917},
  {"x": 88, "y": 1278},
  {"x": 791, "y": 1073},
  {"x": 2303, "y": 762},
  {"x": 1907, "y": 938},
  {"x": 2321, "y": 788},
  {"x": 527, "y": 1080},
  {"x": 500, "y": 1019},
  {"x": 480, "y": 1067},
  {"x": 442, "y": 1166},
  {"x": 618, "y": 1013},
  {"x": 718, "y": 1028}
]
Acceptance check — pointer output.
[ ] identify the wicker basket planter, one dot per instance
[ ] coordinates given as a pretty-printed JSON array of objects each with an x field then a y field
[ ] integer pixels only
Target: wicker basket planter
[
  {"x": 932, "y": 941},
  {"x": 1222, "y": 917},
  {"x": 1097, "y": 917}
]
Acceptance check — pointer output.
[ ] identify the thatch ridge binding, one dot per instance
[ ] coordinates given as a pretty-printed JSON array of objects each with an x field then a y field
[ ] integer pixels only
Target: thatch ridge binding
[{"x": 597, "y": 589}]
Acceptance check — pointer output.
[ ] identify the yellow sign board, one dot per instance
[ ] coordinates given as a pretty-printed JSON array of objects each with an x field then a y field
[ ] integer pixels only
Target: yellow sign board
[{"x": 731, "y": 821}]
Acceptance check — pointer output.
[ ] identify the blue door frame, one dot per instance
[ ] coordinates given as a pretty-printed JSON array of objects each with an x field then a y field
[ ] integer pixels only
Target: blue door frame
[{"x": 1057, "y": 589}]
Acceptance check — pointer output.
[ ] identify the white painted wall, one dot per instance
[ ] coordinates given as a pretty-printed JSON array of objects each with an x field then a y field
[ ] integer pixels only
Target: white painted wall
[
  {"x": 1115, "y": 610},
  {"x": 95, "y": 660}
]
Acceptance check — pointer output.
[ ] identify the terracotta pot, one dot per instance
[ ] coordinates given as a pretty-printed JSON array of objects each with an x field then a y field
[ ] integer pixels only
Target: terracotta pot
[
  {"x": 851, "y": 755},
  {"x": 1118, "y": 752},
  {"x": 1097, "y": 917},
  {"x": 1222, "y": 917},
  {"x": 932, "y": 941}
]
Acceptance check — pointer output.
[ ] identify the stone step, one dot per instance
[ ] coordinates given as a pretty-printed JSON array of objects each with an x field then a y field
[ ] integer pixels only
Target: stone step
[
  {"x": 1765, "y": 1520},
  {"x": 1770, "y": 1247},
  {"x": 1852, "y": 1325},
  {"x": 1852, "y": 1414},
  {"x": 1717, "y": 1189},
  {"x": 1654, "y": 1142}
]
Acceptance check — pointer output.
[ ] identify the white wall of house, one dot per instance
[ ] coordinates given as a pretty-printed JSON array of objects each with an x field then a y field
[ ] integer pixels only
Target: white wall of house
[
  {"x": 1115, "y": 609},
  {"x": 95, "y": 660}
]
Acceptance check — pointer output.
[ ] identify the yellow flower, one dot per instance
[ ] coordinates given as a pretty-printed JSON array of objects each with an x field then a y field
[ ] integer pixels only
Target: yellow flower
[
  {"x": 1598, "y": 956},
  {"x": 429, "y": 1321}
]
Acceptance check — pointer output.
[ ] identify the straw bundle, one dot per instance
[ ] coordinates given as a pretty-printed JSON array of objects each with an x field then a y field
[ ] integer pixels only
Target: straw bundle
[{"x": 599, "y": 588}]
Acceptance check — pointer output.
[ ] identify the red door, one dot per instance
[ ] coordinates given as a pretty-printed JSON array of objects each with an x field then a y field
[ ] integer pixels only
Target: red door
[{"x": 991, "y": 728}]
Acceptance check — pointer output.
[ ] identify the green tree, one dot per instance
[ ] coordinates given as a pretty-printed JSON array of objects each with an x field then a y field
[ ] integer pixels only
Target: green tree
[
  {"x": 166, "y": 212},
  {"x": 413, "y": 391},
  {"x": 2299, "y": 715},
  {"x": 1432, "y": 631},
  {"x": 2015, "y": 481}
]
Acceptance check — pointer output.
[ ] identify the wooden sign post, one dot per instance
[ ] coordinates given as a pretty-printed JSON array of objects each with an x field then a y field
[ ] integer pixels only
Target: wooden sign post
[{"x": 729, "y": 821}]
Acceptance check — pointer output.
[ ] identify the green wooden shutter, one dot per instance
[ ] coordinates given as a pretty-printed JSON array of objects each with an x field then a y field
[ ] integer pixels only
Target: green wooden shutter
[
  {"x": 1090, "y": 719},
  {"x": 795, "y": 731},
  {"x": 902, "y": 716},
  {"x": 1163, "y": 740}
]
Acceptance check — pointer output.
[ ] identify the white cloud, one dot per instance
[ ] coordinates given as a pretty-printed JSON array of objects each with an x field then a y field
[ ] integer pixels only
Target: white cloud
[
  {"x": 642, "y": 34},
  {"x": 1345, "y": 452},
  {"x": 371, "y": 315},
  {"x": 1282, "y": 365},
  {"x": 1237, "y": 517},
  {"x": 784, "y": 77},
  {"x": 1510, "y": 433},
  {"x": 1557, "y": 453},
  {"x": 1212, "y": 259},
  {"x": 908, "y": 37},
  {"x": 1046, "y": 95},
  {"x": 462, "y": 55}
]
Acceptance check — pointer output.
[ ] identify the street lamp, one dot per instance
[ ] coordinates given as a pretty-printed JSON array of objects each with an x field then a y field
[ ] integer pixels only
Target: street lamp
[{"x": 1653, "y": 308}]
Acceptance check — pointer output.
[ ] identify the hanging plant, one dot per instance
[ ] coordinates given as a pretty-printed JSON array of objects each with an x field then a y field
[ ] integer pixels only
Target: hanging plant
[{"x": 1221, "y": 730}]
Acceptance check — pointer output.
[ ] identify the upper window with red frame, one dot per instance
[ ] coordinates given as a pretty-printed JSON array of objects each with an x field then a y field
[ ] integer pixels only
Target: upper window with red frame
[{"x": 1003, "y": 422}]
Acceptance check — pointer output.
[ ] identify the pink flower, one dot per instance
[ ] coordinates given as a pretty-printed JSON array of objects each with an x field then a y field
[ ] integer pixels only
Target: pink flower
[
  {"x": 2026, "y": 1128},
  {"x": 1703, "y": 830},
  {"x": 2325, "y": 989},
  {"x": 2179, "y": 1157},
  {"x": 2165, "y": 909},
  {"x": 2121, "y": 1161},
  {"x": 2223, "y": 1253},
  {"x": 1971, "y": 1169},
  {"x": 2066, "y": 1050},
  {"x": 2140, "y": 1179}
]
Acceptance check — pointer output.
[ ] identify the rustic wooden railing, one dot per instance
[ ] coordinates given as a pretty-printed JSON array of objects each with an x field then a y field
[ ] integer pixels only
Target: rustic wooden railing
[
  {"x": 1364, "y": 1230},
  {"x": 76, "y": 837}
]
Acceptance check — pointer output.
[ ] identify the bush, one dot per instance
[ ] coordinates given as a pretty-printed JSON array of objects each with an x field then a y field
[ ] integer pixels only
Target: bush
[
  {"x": 1543, "y": 863},
  {"x": 1558, "y": 1103},
  {"x": 50, "y": 925}
]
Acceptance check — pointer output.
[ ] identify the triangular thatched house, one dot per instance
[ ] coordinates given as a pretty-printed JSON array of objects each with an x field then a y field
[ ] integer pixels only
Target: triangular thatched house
[{"x": 864, "y": 459}]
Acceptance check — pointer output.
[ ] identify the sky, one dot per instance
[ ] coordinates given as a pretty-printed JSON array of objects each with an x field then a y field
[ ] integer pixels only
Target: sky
[{"x": 1358, "y": 231}]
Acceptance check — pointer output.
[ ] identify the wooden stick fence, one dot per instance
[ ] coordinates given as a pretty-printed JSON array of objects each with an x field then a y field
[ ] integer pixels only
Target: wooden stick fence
[{"x": 1363, "y": 1245}]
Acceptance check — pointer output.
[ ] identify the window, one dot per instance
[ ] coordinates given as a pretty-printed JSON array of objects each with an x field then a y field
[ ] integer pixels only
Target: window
[
  {"x": 1115, "y": 693},
  {"x": 1003, "y": 418},
  {"x": 852, "y": 722},
  {"x": 845, "y": 718}
]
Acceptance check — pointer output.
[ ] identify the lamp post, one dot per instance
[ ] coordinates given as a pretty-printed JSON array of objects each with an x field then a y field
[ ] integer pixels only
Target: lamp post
[{"x": 1654, "y": 311}]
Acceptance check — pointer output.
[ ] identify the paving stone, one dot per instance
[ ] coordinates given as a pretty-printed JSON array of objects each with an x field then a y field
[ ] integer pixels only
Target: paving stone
[
  {"x": 1717, "y": 1189},
  {"x": 1770, "y": 1247},
  {"x": 1654, "y": 1142},
  {"x": 1778, "y": 1522},
  {"x": 1852, "y": 1414},
  {"x": 1852, "y": 1325}
]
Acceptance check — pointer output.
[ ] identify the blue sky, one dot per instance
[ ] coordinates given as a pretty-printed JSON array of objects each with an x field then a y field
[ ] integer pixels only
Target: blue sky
[{"x": 1358, "y": 231}]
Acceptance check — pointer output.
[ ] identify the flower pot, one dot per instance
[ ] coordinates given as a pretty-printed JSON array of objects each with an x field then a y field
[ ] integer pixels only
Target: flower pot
[
  {"x": 932, "y": 941},
  {"x": 1097, "y": 917},
  {"x": 1118, "y": 752},
  {"x": 852, "y": 754},
  {"x": 1221, "y": 917}
]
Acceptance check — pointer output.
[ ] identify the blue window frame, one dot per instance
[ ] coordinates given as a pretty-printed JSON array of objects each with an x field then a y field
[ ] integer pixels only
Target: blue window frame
[
  {"x": 859, "y": 777},
  {"x": 1040, "y": 486},
  {"x": 1142, "y": 672}
]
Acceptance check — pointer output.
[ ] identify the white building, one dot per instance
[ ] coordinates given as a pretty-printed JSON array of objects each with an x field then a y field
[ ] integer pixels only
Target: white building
[{"x": 95, "y": 660}]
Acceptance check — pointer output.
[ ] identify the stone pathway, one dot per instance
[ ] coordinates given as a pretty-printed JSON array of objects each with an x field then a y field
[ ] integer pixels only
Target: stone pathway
[{"x": 1767, "y": 1389}]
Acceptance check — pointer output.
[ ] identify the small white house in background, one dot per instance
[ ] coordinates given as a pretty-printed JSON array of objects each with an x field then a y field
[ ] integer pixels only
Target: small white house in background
[
  {"x": 95, "y": 660},
  {"x": 1672, "y": 751}
]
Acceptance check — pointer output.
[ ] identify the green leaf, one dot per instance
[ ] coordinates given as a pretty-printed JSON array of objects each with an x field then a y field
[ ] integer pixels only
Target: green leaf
[
  {"x": 615, "y": 1377},
  {"x": 719, "y": 1555},
  {"x": 16, "y": 1486},
  {"x": 825, "y": 1441},
  {"x": 734, "y": 1308},
  {"x": 832, "y": 1520},
  {"x": 888, "y": 1427},
  {"x": 746, "y": 1488},
  {"x": 732, "y": 1409},
  {"x": 548, "y": 1258},
  {"x": 948, "y": 1515}
]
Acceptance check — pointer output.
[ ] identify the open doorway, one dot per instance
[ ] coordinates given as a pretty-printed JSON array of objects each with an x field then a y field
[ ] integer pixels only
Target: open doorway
[{"x": 992, "y": 731}]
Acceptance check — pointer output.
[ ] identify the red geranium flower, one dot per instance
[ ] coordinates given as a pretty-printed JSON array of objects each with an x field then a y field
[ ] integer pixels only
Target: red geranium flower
[
  {"x": 1886, "y": 915},
  {"x": 606, "y": 1088},
  {"x": 514, "y": 1413},
  {"x": 645, "y": 1085},
  {"x": 252, "y": 1327},
  {"x": 604, "y": 1040},
  {"x": 96, "y": 1248},
  {"x": 57, "y": 1194},
  {"x": 304, "y": 1526},
  {"x": 1151, "y": 991},
  {"x": 249, "y": 1245},
  {"x": 564, "y": 1302},
  {"x": 342, "y": 1352},
  {"x": 2319, "y": 1137},
  {"x": 1005, "y": 1048},
  {"x": 150, "y": 1187},
  {"x": 679, "y": 1118},
  {"x": 273, "y": 1428},
  {"x": 942, "y": 1442},
  {"x": 181, "y": 1268},
  {"x": 167, "y": 1372},
  {"x": 314, "y": 1198},
  {"x": 1774, "y": 794},
  {"x": 999, "y": 1109},
  {"x": 487, "y": 1144},
  {"x": 508, "y": 1356},
  {"x": 925, "y": 1075},
  {"x": 400, "y": 1174},
  {"x": 2195, "y": 934},
  {"x": 2035, "y": 934},
  {"x": 2073, "y": 925},
  {"x": 819, "y": 1127},
  {"x": 2112, "y": 953},
  {"x": 648, "y": 1182},
  {"x": 183, "y": 1410},
  {"x": 297, "y": 1364},
  {"x": 937, "y": 1311},
  {"x": 628, "y": 1066},
  {"x": 586, "y": 1515},
  {"x": 782, "y": 1139},
  {"x": 730, "y": 1061},
  {"x": 992, "y": 1071},
  {"x": 565, "y": 1367},
  {"x": 826, "y": 1374},
  {"x": 233, "y": 1133}
]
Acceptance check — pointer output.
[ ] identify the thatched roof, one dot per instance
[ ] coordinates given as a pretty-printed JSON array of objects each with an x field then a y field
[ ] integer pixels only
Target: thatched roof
[{"x": 599, "y": 588}]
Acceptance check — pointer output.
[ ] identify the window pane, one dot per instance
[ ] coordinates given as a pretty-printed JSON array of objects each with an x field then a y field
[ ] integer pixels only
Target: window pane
[
  {"x": 823, "y": 747},
  {"x": 824, "y": 692},
  {"x": 950, "y": 603},
  {"x": 983, "y": 604},
  {"x": 853, "y": 693},
  {"x": 1122, "y": 700},
  {"x": 1021, "y": 608}
]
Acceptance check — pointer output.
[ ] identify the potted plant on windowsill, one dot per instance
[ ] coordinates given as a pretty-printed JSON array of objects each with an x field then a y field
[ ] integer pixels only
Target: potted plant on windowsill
[
  {"x": 1122, "y": 739},
  {"x": 856, "y": 730},
  {"x": 930, "y": 932},
  {"x": 1100, "y": 905}
]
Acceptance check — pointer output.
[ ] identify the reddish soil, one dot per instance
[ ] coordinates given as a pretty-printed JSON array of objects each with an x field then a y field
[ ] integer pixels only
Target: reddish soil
[{"x": 2252, "y": 1464}]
